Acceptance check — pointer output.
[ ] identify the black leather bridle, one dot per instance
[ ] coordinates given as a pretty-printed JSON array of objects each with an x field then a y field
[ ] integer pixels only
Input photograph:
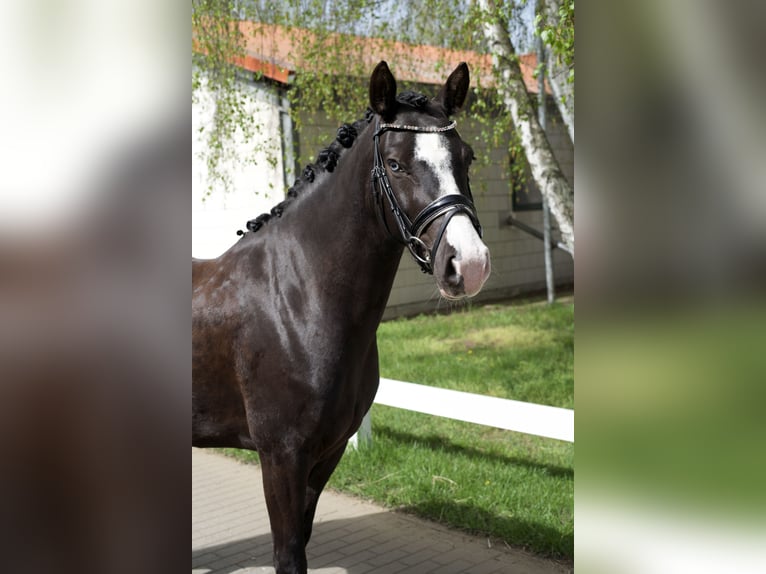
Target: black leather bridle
[{"x": 410, "y": 231}]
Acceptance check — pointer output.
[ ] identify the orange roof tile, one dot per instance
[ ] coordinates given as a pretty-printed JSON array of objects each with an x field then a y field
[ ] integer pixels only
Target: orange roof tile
[{"x": 276, "y": 51}]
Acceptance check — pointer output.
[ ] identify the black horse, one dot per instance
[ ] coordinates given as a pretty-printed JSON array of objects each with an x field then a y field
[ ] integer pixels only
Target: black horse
[{"x": 285, "y": 358}]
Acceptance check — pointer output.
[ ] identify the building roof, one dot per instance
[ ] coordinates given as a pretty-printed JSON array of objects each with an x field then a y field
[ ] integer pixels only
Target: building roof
[{"x": 276, "y": 52}]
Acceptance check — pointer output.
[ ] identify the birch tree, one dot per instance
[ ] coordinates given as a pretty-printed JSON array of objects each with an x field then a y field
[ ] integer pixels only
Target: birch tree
[
  {"x": 555, "y": 25},
  {"x": 510, "y": 85}
]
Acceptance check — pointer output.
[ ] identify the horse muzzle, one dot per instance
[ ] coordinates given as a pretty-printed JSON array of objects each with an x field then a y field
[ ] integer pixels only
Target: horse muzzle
[{"x": 463, "y": 265}]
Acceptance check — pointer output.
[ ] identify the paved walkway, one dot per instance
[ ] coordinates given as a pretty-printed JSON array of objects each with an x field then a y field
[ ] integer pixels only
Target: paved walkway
[{"x": 230, "y": 533}]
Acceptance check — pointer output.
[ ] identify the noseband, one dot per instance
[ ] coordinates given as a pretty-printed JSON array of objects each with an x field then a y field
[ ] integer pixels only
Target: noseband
[{"x": 410, "y": 231}]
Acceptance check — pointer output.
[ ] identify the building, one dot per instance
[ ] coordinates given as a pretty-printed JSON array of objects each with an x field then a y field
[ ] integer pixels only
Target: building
[{"x": 273, "y": 55}]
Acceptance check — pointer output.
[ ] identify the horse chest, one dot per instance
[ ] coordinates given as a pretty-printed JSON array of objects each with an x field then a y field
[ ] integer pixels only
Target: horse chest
[{"x": 315, "y": 401}]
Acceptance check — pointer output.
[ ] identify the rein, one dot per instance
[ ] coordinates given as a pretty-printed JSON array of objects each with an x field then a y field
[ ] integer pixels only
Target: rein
[{"x": 410, "y": 231}]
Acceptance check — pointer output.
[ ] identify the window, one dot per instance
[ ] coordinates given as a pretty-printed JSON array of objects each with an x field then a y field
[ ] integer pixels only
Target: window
[{"x": 525, "y": 195}]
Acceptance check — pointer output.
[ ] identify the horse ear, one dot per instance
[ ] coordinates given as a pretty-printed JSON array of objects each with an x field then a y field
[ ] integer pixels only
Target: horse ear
[
  {"x": 453, "y": 93},
  {"x": 383, "y": 91}
]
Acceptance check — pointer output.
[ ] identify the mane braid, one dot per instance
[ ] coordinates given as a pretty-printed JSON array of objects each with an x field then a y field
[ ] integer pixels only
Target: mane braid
[
  {"x": 329, "y": 157},
  {"x": 327, "y": 160}
]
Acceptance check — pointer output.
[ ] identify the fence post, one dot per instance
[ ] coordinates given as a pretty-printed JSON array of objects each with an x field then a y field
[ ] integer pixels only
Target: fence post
[{"x": 363, "y": 436}]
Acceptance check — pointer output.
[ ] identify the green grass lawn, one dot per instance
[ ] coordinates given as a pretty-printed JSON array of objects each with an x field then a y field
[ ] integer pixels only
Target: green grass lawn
[
  {"x": 510, "y": 487},
  {"x": 515, "y": 351}
]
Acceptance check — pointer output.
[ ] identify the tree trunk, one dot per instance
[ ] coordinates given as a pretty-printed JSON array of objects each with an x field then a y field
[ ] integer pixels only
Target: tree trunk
[
  {"x": 558, "y": 73},
  {"x": 563, "y": 91},
  {"x": 545, "y": 169}
]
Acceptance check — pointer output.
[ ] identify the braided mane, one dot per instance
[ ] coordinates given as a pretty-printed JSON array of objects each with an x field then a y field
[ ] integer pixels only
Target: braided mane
[{"x": 328, "y": 158}]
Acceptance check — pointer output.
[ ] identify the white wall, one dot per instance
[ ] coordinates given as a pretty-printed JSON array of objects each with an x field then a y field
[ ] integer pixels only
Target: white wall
[{"x": 255, "y": 169}]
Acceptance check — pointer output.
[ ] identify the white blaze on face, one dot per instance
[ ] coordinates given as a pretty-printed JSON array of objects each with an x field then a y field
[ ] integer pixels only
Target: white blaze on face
[
  {"x": 432, "y": 149},
  {"x": 472, "y": 256}
]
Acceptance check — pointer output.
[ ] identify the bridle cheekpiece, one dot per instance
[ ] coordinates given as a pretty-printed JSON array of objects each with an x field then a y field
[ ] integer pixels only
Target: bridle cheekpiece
[{"x": 411, "y": 231}]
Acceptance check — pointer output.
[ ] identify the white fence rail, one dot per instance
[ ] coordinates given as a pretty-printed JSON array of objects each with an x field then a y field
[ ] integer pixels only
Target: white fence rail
[{"x": 529, "y": 418}]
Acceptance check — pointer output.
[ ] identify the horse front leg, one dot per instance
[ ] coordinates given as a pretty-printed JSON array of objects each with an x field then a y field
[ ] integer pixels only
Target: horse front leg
[
  {"x": 285, "y": 477},
  {"x": 317, "y": 480}
]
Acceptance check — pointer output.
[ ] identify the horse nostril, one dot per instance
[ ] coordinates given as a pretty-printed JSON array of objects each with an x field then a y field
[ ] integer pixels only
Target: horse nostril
[{"x": 452, "y": 273}]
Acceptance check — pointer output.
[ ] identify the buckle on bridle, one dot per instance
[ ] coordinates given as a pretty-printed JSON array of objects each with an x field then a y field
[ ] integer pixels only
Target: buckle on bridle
[{"x": 415, "y": 244}]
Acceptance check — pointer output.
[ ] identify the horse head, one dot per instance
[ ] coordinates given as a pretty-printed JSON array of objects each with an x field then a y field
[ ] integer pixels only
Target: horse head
[{"x": 421, "y": 173}]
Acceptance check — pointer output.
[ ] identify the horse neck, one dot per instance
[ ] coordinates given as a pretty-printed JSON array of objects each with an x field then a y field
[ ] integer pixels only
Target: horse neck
[{"x": 337, "y": 226}]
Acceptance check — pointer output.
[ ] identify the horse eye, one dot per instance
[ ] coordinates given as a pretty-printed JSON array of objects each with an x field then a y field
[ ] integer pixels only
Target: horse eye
[{"x": 394, "y": 165}]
